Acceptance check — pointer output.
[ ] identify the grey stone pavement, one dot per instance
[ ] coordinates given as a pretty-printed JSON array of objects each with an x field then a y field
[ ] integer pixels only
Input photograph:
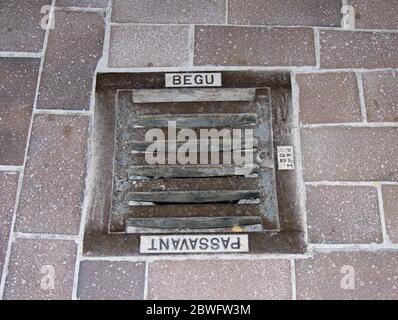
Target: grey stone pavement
[{"x": 345, "y": 83}]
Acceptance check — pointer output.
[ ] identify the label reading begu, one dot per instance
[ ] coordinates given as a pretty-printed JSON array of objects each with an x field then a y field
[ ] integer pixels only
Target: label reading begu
[{"x": 204, "y": 79}]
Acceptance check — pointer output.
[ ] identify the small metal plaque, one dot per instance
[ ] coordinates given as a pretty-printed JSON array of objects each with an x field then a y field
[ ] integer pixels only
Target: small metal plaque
[
  {"x": 217, "y": 243},
  {"x": 204, "y": 79},
  {"x": 285, "y": 158}
]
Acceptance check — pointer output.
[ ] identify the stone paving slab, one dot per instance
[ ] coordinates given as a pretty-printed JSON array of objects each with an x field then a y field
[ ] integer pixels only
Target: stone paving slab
[
  {"x": 390, "y": 199},
  {"x": 340, "y": 156},
  {"x": 234, "y": 279},
  {"x": 20, "y": 25},
  {"x": 243, "y": 46},
  {"x": 41, "y": 270},
  {"x": 380, "y": 14},
  {"x": 325, "y": 13},
  {"x": 17, "y": 93},
  {"x": 176, "y": 11},
  {"x": 350, "y": 154},
  {"x": 329, "y": 98},
  {"x": 111, "y": 280},
  {"x": 8, "y": 193},
  {"x": 356, "y": 49},
  {"x": 53, "y": 186},
  {"x": 341, "y": 214},
  {"x": 329, "y": 276},
  {"x": 149, "y": 46},
  {"x": 380, "y": 89},
  {"x": 73, "y": 50}
]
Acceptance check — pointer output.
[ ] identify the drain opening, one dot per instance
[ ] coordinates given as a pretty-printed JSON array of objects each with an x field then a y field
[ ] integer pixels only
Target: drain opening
[
  {"x": 119, "y": 168},
  {"x": 227, "y": 174}
]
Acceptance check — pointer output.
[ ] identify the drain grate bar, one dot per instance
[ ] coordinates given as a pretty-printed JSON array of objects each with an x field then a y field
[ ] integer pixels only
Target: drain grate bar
[
  {"x": 192, "y": 196},
  {"x": 140, "y": 134},
  {"x": 196, "y": 210},
  {"x": 140, "y": 158},
  {"x": 199, "y": 145},
  {"x": 192, "y": 171},
  {"x": 195, "y": 120},
  {"x": 135, "y": 225},
  {"x": 202, "y": 184},
  {"x": 193, "y": 95}
]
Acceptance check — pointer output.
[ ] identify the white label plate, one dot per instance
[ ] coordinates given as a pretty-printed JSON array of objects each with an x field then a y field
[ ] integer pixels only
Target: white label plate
[
  {"x": 285, "y": 158},
  {"x": 204, "y": 79},
  {"x": 217, "y": 243}
]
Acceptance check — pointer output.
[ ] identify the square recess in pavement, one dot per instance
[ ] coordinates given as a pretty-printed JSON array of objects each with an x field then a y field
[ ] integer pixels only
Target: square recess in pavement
[{"x": 204, "y": 160}]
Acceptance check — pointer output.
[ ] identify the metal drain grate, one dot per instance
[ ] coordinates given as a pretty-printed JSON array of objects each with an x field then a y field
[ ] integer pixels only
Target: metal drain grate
[{"x": 192, "y": 194}]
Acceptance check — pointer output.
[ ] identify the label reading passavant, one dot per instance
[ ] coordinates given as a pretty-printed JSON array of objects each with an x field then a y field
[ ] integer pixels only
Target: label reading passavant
[
  {"x": 285, "y": 158},
  {"x": 217, "y": 243},
  {"x": 203, "y": 79}
]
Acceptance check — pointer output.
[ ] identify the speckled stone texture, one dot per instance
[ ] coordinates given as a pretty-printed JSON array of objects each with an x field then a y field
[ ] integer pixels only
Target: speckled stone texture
[
  {"x": 74, "y": 48},
  {"x": 20, "y": 25},
  {"x": 149, "y": 46},
  {"x": 83, "y": 3},
  {"x": 329, "y": 98},
  {"x": 350, "y": 154},
  {"x": 390, "y": 201},
  {"x": 348, "y": 49},
  {"x": 8, "y": 193},
  {"x": 111, "y": 280},
  {"x": 375, "y": 14},
  {"x": 17, "y": 93},
  {"x": 234, "y": 279},
  {"x": 169, "y": 11},
  {"x": 326, "y": 276},
  {"x": 341, "y": 215},
  {"x": 32, "y": 262},
  {"x": 243, "y": 46},
  {"x": 53, "y": 186},
  {"x": 381, "y": 97},
  {"x": 350, "y": 168},
  {"x": 324, "y": 13}
]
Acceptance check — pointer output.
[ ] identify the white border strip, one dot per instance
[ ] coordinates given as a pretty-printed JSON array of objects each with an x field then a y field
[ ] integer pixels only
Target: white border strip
[
  {"x": 146, "y": 280},
  {"x": 350, "y": 183},
  {"x": 226, "y": 12},
  {"x": 210, "y": 68},
  {"x": 11, "y": 238},
  {"x": 191, "y": 45},
  {"x": 361, "y": 92},
  {"x": 317, "y": 43},
  {"x": 372, "y": 247},
  {"x": 293, "y": 278},
  {"x": 61, "y": 112},
  {"x": 30, "y": 55},
  {"x": 81, "y": 9},
  {"x": 11, "y": 168},
  {"x": 352, "y": 125},
  {"x": 386, "y": 238},
  {"x": 45, "y": 236}
]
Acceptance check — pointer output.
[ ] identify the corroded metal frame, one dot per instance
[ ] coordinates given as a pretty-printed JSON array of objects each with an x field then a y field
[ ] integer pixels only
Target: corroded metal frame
[{"x": 98, "y": 241}]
